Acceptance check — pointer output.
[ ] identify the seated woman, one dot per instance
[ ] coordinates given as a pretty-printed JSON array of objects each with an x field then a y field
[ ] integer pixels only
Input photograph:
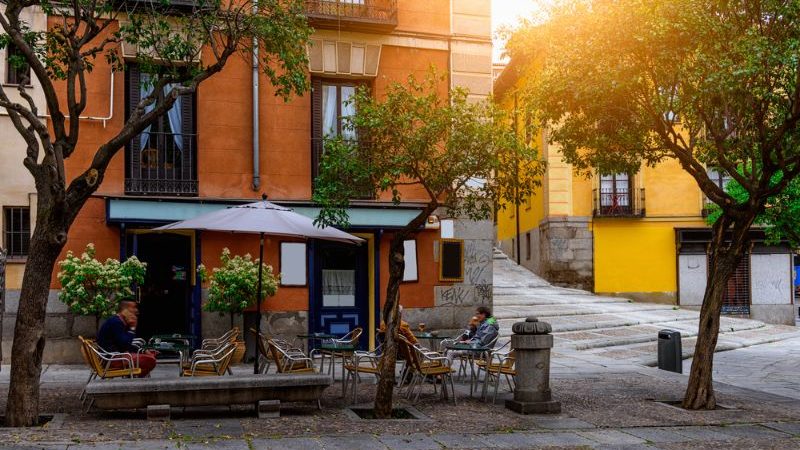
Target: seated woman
[{"x": 117, "y": 335}]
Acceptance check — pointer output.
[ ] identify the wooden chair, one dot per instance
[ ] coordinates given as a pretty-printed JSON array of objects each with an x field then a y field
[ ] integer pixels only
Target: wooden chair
[
  {"x": 100, "y": 364},
  {"x": 210, "y": 364},
  {"x": 504, "y": 366},
  {"x": 354, "y": 368},
  {"x": 426, "y": 364},
  {"x": 216, "y": 343},
  {"x": 289, "y": 361}
]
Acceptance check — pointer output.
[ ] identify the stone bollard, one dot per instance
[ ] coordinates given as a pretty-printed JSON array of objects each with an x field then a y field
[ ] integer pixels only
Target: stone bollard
[{"x": 532, "y": 342}]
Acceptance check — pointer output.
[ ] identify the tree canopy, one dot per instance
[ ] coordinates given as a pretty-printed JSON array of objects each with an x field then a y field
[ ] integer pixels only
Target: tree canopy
[{"x": 711, "y": 84}]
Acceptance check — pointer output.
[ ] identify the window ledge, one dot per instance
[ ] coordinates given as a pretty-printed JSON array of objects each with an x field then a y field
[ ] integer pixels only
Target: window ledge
[{"x": 16, "y": 260}]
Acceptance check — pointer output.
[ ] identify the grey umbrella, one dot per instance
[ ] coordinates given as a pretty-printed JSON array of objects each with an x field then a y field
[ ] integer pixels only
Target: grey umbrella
[{"x": 262, "y": 218}]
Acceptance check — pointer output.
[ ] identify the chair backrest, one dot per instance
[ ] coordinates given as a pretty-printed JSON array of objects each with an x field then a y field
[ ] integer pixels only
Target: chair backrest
[
  {"x": 409, "y": 352},
  {"x": 226, "y": 359},
  {"x": 276, "y": 353},
  {"x": 351, "y": 337},
  {"x": 260, "y": 339},
  {"x": 508, "y": 363},
  {"x": 86, "y": 353}
]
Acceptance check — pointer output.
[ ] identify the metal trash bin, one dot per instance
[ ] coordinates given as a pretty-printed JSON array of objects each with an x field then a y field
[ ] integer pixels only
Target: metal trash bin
[{"x": 669, "y": 351}]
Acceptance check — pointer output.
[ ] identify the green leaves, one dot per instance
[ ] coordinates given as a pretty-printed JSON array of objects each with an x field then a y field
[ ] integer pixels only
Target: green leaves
[
  {"x": 233, "y": 284},
  {"x": 417, "y": 144},
  {"x": 93, "y": 288},
  {"x": 622, "y": 83}
]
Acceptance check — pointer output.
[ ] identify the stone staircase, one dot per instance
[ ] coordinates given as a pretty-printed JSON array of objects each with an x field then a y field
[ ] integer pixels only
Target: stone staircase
[{"x": 615, "y": 328}]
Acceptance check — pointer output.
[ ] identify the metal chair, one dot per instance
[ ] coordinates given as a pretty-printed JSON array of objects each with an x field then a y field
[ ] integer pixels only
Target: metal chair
[
  {"x": 426, "y": 365},
  {"x": 354, "y": 369},
  {"x": 210, "y": 364},
  {"x": 289, "y": 361}
]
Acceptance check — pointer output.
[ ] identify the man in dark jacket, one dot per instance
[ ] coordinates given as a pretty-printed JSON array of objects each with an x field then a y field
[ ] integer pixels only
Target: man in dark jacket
[{"x": 118, "y": 333}]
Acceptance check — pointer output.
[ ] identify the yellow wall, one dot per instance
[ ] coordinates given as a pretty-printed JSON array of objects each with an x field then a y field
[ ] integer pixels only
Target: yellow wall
[{"x": 636, "y": 255}]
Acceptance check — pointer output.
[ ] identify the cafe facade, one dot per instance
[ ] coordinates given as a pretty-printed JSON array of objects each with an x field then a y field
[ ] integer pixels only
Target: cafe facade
[{"x": 203, "y": 156}]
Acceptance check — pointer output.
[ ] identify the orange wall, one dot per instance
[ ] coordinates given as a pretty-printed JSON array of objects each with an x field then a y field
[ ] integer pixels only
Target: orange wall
[
  {"x": 429, "y": 16},
  {"x": 287, "y": 298},
  {"x": 417, "y": 294}
]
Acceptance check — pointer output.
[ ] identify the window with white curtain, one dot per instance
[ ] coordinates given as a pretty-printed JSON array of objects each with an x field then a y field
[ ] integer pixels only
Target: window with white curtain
[
  {"x": 336, "y": 108},
  {"x": 338, "y": 288}
]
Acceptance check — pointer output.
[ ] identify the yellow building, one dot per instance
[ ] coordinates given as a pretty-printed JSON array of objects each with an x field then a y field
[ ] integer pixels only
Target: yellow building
[{"x": 639, "y": 235}]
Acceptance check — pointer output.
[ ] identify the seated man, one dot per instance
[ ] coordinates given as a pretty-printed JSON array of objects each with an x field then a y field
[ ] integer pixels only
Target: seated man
[
  {"x": 405, "y": 328},
  {"x": 117, "y": 335}
]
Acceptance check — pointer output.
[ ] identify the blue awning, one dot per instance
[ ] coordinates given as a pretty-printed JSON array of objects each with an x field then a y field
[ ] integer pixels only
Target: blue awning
[{"x": 158, "y": 211}]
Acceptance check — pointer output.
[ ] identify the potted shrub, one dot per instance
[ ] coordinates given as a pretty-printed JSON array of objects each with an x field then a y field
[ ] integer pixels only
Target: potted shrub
[
  {"x": 93, "y": 288},
  {"x": 232, "y": 286}
]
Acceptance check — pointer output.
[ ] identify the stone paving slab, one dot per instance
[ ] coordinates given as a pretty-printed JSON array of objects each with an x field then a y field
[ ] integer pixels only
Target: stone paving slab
[
  {"x": 286, "y": 444},
  {"x": 657, "y": 434},
  {"x": 611, "y": 437},
  {"x": 463, "y": 440},
  {"x": 415, "y": 441},
  {"x": 365, "y": 442}
]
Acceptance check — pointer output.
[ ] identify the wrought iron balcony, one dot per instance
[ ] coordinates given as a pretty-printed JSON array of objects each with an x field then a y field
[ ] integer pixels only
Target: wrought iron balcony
[
  {"x": 162, "y": 164},
  {"x": 619, "y": 203},
  {"x": 356, "y": 15},
  {"x": 317, "y": 150}
]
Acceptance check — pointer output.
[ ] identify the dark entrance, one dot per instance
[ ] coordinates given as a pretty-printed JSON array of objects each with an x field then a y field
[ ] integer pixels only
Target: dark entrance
[
  {"x": 166, "y": 295},
  {"x": 340, "y": 295}
]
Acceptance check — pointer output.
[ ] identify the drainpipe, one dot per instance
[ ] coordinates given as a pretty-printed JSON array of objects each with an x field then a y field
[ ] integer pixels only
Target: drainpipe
[{"x": 256, "y": 142}]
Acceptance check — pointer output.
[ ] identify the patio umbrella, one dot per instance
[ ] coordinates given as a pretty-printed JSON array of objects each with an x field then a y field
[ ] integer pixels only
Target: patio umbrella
[{"x": 262, "y": 218}]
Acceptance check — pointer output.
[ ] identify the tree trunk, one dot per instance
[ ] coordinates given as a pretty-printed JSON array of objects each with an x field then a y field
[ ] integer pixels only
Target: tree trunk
[
  {"x": 22, "y": 408},
  {"x": 724, "y": 258},
  {"x": 386, "y": 379}
]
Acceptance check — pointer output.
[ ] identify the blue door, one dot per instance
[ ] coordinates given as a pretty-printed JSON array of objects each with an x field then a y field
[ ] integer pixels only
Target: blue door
[{"x": 340, "y": 297}]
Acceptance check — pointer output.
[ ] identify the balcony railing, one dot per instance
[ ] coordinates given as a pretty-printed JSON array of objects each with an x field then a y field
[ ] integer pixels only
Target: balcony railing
[
  {"x": 357, "y": 15},
  {"x": 162, "y": 164},
  {"x": 619, "y": 203},
  {"x": 317, "y": 150}
]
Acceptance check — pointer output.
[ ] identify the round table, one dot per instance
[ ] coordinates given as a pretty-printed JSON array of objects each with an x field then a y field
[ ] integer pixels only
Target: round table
[{"x": 473, "y": 350}]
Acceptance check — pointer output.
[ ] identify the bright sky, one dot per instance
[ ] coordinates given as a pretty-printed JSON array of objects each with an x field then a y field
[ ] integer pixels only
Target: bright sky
[{"x": 508, "y": 12}]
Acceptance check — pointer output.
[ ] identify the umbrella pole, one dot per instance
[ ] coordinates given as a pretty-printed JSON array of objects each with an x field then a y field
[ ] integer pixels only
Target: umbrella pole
[{"x": 258, "y": 298}]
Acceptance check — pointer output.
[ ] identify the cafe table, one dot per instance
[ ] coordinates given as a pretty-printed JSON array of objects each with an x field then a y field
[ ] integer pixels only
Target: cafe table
[
  {"x": 433, "y": 338},
  {"x": 308, "y": 337},
  {"x": 474, "y": 351}
]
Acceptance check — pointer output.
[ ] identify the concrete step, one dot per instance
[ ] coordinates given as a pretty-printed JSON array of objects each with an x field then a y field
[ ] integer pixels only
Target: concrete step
[
  {"x": 617, "y": 337},
  {"x": 646, "y": 353},
  {"x": 561, "y": 310},
  {"x": 595, "y": 321}
]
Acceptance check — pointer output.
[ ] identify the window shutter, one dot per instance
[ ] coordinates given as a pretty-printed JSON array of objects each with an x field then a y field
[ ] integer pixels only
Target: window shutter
[
  {"x": 316, "y": 126},
  {"x": 189, "y": 154},
  {"x": 132, "y": 98}
]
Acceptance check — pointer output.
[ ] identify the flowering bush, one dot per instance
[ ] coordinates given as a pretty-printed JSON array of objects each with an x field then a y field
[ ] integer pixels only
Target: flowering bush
[
  {"x": 90, "y": 287},
  {"x": 233, "y": 284}
]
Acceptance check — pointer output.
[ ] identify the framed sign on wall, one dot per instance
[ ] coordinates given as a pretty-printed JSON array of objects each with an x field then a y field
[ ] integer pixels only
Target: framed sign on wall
[{"x": 451, "y": 260}]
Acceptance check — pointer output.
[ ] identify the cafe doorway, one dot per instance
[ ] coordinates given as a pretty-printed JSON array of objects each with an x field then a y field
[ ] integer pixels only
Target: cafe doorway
[{"x": 166, "y": 296}]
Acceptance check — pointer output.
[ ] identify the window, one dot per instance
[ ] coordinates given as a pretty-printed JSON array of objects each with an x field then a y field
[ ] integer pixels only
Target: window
[
  {"x": 293, "y": 264},
  {"x": 17, "y": 226},
  {"x": 528, "y": 246},
  {"x": 411, "y": 272},
  {"x": 720, "y": 177},
  {"x": 451, "y": 260},
  {"x": 615, "y": 193},
  {"x": 17, "y": 69},
  {"x": 162, "y": 159},
  {"x": 336, "y": 108}
]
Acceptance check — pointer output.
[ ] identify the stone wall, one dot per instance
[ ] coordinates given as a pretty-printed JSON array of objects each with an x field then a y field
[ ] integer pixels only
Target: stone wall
[
  {"x": 454, "y": 304},
  {"x": 566, "y": 252},
  {"x": 61, "y": 329}
]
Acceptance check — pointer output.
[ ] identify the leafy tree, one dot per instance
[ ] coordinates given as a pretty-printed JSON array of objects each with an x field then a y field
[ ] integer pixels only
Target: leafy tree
[
  {"x": 231, "y": 285},
  {"x": 780, "y": 215},
  {"x": 93, "y": 288},
  {"x": 449, "y": 150},
  {"x": 625, "y": 82},
  {"x": 60, "y": 58}
]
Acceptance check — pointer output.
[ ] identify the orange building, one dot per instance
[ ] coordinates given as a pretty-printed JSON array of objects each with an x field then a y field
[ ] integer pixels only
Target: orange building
[{"x": 203, "y": 156}]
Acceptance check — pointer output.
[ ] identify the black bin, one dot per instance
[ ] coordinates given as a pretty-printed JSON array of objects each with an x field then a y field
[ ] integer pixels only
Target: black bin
[{"x": 669, "y": 351}]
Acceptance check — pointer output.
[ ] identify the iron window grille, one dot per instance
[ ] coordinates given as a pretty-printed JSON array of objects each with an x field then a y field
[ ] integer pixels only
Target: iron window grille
[{"x": 17, "y": 226}]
